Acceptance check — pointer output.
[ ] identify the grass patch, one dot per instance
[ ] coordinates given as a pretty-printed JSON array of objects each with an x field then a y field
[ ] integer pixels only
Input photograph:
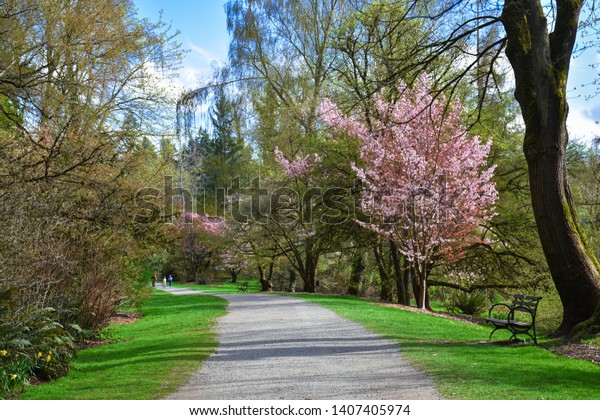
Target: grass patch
[
  {"x": 149, "y": 359},
  {"x": 452, "y": 354},
  {"x": 222, "y": 287}
]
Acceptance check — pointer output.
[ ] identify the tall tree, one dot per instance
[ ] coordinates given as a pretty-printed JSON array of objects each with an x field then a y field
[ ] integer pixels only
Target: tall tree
[
  {"x": 426, "y": 187},
  {"x": 80, "y": 81},
  {"x": 540, "y": 61},
  {"x": 282, "y": 52},
  {"x": 538, "y": 40},
  {"x": 223, "y": 148}
]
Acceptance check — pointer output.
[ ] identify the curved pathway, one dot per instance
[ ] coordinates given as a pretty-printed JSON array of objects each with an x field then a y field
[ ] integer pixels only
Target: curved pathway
[{"x": 276, "y": 347}]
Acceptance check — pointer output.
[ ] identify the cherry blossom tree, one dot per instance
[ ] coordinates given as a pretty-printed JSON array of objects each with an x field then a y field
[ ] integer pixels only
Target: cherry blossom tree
[
  {"x": 202, "y": 241},
  {"x": 425, "y": 182}
]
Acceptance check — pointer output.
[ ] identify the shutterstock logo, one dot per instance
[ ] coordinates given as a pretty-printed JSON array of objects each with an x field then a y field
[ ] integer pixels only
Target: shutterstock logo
[{"x": 255, "y": 201}]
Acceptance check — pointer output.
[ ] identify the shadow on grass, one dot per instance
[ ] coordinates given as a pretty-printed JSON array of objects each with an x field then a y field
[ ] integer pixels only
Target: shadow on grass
[
  {"x": 463, "y": 364},
  {"x": 151, "y": 357},
  {"x": 503, "y": 372}
]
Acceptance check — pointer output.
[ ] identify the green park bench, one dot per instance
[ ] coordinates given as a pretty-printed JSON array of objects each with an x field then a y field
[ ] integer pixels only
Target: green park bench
[
  {"x": 521, "y": 304},
  {"x": 243, "y": 286}
]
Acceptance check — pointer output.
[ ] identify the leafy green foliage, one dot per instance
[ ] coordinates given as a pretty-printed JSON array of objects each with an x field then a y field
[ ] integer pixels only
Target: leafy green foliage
[
  {"x": 147, "y": 359},
  {"x": 33, "y": 344},
  {"x": 458, "y": 358},
  {"x": 74, "y": 111}
]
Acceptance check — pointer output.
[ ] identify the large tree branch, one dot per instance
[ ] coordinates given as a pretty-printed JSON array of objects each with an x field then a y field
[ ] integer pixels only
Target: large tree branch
[
  {"x": 473, "y": 288},
  {"x": 562, "y": 39}
]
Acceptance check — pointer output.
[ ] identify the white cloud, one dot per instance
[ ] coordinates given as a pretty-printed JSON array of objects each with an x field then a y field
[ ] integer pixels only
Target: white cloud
[
  {"x": 203, "y": 53},
  {"x": 190, "y": 77},
  {"x": 197, "y": 67},
  {"x": 581, "y": 126}
]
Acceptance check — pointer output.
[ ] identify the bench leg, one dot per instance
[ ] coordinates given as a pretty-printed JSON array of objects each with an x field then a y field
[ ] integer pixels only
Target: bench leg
[
  {"x": 492, "y": 333},
  {"x": 533, "y": 337}
]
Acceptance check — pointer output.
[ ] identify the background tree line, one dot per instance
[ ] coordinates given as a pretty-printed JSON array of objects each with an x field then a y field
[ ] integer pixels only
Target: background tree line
[
  {"x": 285, "y": 58},
  {"x": 79, "y": 111},
  {"x": 84, "y": 126}
]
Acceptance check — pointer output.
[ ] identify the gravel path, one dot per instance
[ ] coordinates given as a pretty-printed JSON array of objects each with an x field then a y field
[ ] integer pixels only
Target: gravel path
[{"x": 275, "y": 347}]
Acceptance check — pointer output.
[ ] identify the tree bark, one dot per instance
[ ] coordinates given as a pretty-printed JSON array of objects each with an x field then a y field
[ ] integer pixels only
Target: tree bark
[
  {"x": 400, "y": 268},
  {"x": 422, "y": 276},
  {"x": 406, "y": 277},
  {"x": 421, "y": 273},
  {"x": 309, "y": 276},
  {"x": 233, "y": 273},
  {"x": 541, "y": 63},
  {"x": 310, "y": 281},
  {"x": 384, "y": 276},
  {"x": 357, "y": 274},
  {"x": 265, "y": 280}
]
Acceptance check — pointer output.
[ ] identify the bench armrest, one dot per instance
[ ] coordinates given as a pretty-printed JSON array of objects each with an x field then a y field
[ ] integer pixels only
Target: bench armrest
[
  {"x": 523, "y": 309},
  {"x": 499, "y": 304}
]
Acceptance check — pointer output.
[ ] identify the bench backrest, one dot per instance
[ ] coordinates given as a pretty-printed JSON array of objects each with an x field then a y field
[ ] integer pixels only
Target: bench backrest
[{"x": 525, "y": 301}]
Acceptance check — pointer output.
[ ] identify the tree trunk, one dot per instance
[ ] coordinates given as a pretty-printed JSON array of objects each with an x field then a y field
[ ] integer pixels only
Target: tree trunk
[
  {"x": 421, "y": 274},
  {"x": 310, "y": 281},
  {"x": 541, "y": 65},
  {"x": 265, "y": 281},
  {"x": 310, "y": 271},
  {"x": 573, "y": 270},
  {"x": 416, "y": 286},
  {"x": 423, "y": 291},
  {"x": 292, "y": 280},
  {"x": 357, "y": 275},
  {"x": 406, "y": 277},
  {"x": 399, "y": 274},
  {"x": 233, "y": 273},
  {"x": 384, "y": 276}
]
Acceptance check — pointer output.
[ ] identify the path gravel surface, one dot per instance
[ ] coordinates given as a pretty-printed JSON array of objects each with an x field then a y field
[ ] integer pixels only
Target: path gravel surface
[{"x": 275, "y": 347}]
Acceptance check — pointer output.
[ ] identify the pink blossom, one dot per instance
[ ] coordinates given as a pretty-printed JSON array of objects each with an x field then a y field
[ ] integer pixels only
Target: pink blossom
[
  {"x": 216, "y": 226},
  {"x": 425, "y": 181},
  {"x": 298, "y": 166}
]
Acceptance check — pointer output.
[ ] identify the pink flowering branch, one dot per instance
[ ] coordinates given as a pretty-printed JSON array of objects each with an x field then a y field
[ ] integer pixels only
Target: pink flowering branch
[
  {"x": 216, "y": 226},
  {"x": 298, "y": 166},
  {"x": 425, "y": 181}
]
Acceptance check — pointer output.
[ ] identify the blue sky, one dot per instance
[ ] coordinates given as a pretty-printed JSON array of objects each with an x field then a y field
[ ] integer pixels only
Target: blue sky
[{"x": 203, "y": 33}]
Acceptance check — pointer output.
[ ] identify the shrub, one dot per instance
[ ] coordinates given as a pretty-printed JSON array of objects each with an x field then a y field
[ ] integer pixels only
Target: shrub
[
  {"x": 468, "y": 303},
  {"x": 32, "y": 344}
]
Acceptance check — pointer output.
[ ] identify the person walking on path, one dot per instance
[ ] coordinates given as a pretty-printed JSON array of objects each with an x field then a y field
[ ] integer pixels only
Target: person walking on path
[
  {"x": 154, "y": 280},
  {"x": 164, "y": 282},
  {"x": 170, "y": 280}
]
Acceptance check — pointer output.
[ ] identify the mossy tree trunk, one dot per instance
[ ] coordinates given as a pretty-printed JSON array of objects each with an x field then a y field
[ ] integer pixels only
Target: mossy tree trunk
[{"x": 540, "y": 62}]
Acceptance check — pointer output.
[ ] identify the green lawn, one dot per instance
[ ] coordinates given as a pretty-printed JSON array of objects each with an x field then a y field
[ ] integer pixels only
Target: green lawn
[
  {"x": 153, "y": 356},
  {"x": 463, "y": 367},
  {"x": 222, "y": 287},
  {"x": 150, "y": 357}
]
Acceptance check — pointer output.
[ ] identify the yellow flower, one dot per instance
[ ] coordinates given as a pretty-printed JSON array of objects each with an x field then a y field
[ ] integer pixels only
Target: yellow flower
[
  {"x": 48, "y": 358},
  {"x": 40, "y": 354},
  {"x": 13, "y": 376},
  {"x": 50, "y": 352},
  {"x": 3, "y": 352}
]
